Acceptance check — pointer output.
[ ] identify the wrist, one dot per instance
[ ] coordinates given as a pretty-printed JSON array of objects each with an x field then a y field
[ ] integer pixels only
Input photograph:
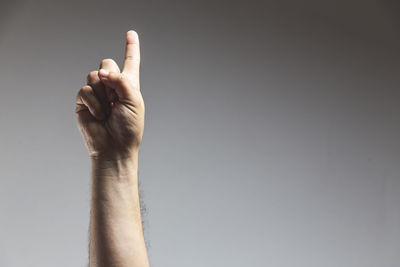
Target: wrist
[
  {"x": 114, "y": 154},
  {"x": 121, "y": 167}
]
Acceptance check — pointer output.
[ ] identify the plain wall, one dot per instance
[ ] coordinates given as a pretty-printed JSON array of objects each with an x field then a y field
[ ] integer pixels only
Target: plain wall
[{"x": 272, "y": 130}]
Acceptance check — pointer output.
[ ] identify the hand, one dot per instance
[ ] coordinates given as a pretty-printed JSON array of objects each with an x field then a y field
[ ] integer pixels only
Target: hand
[{"x": 110, "y": 108}]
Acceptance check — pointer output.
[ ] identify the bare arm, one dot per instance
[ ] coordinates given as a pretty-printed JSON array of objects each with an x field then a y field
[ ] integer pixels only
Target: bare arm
[
  {"x": 116, "y": 237},
  {"x": 110, "y": 113}
]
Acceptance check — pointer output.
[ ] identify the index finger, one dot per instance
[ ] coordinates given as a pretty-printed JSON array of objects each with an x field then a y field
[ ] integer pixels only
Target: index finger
[{"x": 132, "y": 54}]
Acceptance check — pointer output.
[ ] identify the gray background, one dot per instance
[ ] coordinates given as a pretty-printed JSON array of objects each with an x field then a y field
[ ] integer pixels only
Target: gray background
[{"x": 272, "y": 130}]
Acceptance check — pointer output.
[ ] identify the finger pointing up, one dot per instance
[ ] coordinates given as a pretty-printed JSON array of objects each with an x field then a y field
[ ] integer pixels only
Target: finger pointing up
[{"x": 132, "y": 55}]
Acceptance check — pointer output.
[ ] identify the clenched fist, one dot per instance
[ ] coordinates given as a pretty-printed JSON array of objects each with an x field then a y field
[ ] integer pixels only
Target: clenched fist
[{"x": 110, "y": 108}]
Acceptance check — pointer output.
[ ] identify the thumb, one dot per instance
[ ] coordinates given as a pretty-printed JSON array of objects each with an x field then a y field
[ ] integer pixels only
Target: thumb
[{"x": 117, "y": 81}]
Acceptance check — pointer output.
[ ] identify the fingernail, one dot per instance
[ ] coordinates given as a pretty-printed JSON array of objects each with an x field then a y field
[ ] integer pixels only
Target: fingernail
[{"x": 104, "y": 73}]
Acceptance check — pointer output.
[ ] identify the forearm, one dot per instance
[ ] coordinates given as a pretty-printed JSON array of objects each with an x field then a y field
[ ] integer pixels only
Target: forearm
[{"x": 116, "y": 235}]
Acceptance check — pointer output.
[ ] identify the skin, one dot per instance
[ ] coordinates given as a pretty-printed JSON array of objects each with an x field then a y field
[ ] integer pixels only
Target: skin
[{"x": 110, "y": 114}]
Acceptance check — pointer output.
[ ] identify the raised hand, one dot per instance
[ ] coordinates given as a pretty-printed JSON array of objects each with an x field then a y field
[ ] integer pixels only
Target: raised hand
[{"x": 110, "y": 108}]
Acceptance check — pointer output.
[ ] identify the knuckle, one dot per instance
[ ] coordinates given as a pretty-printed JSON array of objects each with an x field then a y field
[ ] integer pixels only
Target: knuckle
[
  {"x": 85, "y": 90},
  {"x": 106, "y": 61},
  {"x": 83, "y": 94},
  {"x": 129, "y": 81},
  {"x": 134, "y": 59},
  {"x": 93, "y": 75},
  {"x": 130, "y": 57},
  {"x": 79, "y": 95}
]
